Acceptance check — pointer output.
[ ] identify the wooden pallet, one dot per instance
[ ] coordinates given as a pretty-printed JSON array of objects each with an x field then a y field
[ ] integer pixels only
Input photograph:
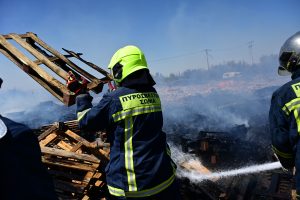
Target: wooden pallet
[
  {"x": 76, "y": 165},
  {"x": 49, "y": 59}
]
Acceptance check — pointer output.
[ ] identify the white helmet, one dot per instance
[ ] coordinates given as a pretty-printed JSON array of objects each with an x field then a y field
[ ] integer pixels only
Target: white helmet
[
  {"x": 289, "y": 55},
  {"x": 3, "y": 129}
]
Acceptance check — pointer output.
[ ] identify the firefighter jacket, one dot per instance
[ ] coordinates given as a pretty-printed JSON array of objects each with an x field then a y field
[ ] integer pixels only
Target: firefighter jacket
[
  {"x": 22, "y": 173},
  {"x": 140, "y": 164},
  {"x": 285, "y": 121}
]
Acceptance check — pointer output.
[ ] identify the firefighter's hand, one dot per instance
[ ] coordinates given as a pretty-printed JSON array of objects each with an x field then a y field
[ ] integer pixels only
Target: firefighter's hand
[{"x": 76, "y": 86}]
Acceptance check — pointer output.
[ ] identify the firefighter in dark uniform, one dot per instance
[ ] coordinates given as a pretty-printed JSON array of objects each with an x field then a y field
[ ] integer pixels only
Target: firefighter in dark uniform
[
  {"x": 285, "y": 109},
  {"x": 140, "y": 165},
  {"x": 22, "y": 174}
]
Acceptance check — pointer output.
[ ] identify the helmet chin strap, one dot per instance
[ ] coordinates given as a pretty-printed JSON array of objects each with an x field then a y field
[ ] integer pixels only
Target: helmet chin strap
[{"x": 112, "y": 85}]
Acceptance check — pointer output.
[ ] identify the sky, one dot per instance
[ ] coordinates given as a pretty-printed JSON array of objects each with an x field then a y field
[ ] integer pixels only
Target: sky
[{"x": 175, "y": 35}]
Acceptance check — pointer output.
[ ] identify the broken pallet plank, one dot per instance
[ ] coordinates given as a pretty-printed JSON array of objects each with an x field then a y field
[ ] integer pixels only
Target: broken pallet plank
[
  {"x": 39, "y": 56},
  {"x": 62, "y": 153}
]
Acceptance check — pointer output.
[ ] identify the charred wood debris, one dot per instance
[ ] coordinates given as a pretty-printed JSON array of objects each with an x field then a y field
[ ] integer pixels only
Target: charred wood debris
[
  {"x": 221, "y": 151},
  {"x": 77, "y": 165}
]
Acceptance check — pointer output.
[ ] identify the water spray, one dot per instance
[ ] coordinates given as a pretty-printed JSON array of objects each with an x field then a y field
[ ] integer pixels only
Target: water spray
[{"x": 195, "y": 176}]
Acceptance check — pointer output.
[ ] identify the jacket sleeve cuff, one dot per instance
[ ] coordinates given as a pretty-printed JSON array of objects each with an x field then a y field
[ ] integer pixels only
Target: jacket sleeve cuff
[{"x": 83, "y": 102}]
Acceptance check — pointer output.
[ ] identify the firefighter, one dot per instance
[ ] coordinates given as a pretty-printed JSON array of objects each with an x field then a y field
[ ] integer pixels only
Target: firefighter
[
  {"x": 140, "y": 165},
  {"x": 285, "y": 109},
  {"x": 22, "y": 173}
]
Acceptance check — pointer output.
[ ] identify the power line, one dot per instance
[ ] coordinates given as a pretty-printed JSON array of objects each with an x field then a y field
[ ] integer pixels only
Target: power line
[
  {"x": 250, "y": 46},
  {"x": 206, "y": 53}
]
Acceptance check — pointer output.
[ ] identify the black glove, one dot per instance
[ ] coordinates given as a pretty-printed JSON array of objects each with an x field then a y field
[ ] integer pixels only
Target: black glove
[
  {"x": 287, "y": 163},
  {"x": 76, "y": 86}
]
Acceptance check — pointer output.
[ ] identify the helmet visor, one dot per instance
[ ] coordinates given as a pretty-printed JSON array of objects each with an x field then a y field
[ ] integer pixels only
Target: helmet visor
[{"x": 284, "y": 59}]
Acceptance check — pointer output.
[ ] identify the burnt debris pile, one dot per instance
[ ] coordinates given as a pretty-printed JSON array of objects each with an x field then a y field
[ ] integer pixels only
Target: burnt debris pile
[{"x": 224, "y": 130}]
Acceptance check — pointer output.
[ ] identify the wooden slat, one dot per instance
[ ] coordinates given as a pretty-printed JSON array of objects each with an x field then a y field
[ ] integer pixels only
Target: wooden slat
[
  {"x": 40, "y": 56},
  {"x": 97, "y": 175},
  {"x": 62, "y": 153},
  {"x": 76, "y": 147},
  {"x": 97, "y": 152},
  {"x": 86, "y": 197},
  {"x": 47, "y": 132},
  {"x": 62, "y": 57},
  {"x": 104, "y": 154},
  {"x": 65, "y": 146},
  {"x": 99, "y": 183},
  {"x": 26, "y": 61},
  {"x": 87, "y": 178},
  {"x": 33, "y": 74},
  {"x": 69, "y": 165},
  {"x": 11, "y": 57},
  {"x": 77, "y": 138},
  {"x": 21, "y": 35},
  {"x": 69, "y": 187},
  {"x": 48, "y": 139}
]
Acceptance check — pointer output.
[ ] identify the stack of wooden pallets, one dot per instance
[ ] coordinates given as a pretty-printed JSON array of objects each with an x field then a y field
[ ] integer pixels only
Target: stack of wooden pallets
[{"x": 75, "y": 164}]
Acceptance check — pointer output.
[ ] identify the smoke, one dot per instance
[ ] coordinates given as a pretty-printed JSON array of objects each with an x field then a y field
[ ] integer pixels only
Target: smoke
[
  {"x": 14, "y": 100},
  {"x": 208, "y": 100},
  {"x": 216, "y": 111},
  {"x": 180, "y": 157},
  {"x": 34, "y": 109}
]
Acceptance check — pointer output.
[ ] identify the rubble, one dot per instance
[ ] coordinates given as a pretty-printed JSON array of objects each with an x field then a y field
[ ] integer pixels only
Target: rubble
[{"x": 217, "y": 152}]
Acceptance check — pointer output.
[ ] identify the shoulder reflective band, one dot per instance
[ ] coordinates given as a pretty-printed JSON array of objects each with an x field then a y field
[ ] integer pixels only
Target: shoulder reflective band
[
  {"x": 296, "y": 88},
  {"x": 282, "y": 154},
  {"x": 139, "y": 100},
  {"x": 81, "y": 114},
  {"x": 135, "y": 111},
  {"x": 292, "y": 105},
  {"x": 143, "y": 193},
  {"x": 3, "y": 129}
]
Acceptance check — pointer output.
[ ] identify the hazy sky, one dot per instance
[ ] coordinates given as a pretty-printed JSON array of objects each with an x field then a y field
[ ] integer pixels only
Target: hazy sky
[{"x": 172, "y": 33}]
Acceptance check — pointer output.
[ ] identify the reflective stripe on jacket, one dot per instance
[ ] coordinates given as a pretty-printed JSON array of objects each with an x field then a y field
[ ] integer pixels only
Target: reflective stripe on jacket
[
  {"x": 139, "y": 163},
  {"x": 284, "y": 118}
]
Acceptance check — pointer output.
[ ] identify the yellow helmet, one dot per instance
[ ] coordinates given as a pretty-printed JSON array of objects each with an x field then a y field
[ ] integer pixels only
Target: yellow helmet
[{"x": 125, "y": 61}]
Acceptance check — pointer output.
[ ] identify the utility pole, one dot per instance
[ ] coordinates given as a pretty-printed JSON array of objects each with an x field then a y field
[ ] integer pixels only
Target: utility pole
[
  {"x": 250, "y": 46},
  {"x": 206, "y": 53}
]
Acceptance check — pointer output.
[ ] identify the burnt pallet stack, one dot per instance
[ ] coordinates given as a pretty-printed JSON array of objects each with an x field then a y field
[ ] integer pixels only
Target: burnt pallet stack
[{"x": 75, "y": 164}]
